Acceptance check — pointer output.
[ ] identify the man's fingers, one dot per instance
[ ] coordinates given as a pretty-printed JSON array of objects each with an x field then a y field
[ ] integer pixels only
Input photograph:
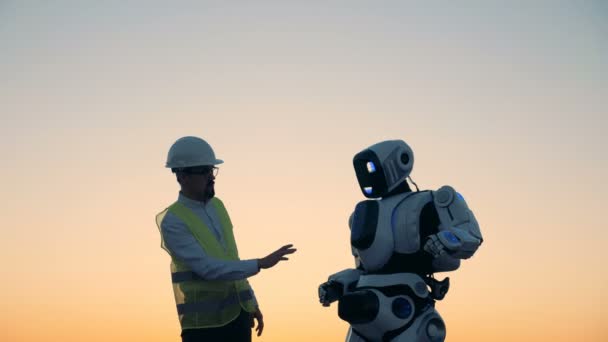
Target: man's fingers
[
  {"x": 286, "y": 248},
  {"x": 283, "y": 254},
  {"x": 258, "y": 315},
  {"x": 282, "y": 251},
  {"x": 287, "y": 251},
  {"x": 259, "y": 328}
]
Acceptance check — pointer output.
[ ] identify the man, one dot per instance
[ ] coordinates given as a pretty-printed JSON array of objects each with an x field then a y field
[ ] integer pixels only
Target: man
[{"x": 214, "y": 299}]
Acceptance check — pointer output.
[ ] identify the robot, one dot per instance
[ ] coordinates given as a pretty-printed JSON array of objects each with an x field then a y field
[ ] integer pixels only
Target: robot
[{"x": 399, "y": 239}]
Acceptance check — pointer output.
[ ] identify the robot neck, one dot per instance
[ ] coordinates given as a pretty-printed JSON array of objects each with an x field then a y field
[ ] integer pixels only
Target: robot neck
[{"x": 400, "y": 189}]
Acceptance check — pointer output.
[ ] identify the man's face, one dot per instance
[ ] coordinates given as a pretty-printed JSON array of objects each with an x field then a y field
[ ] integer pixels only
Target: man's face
[{"x": 200, "y": 181}]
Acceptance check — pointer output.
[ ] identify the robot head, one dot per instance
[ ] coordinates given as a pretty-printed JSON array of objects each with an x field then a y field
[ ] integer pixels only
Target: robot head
[{"x": 382, "y": 167}]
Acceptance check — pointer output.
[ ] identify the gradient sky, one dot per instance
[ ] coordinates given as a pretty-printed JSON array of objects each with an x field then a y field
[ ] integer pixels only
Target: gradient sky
[{"x": 505, "y": 101}]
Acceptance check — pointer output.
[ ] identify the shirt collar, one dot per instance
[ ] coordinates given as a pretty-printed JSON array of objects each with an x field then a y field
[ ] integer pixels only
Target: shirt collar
[{"x": 188, "y": 202}]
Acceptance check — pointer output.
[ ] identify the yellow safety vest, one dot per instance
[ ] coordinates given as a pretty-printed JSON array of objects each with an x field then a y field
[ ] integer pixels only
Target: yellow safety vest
[{"x": 206, "y": 303}]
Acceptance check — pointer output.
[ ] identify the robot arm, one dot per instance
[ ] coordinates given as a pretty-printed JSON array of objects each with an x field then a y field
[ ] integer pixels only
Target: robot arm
[
  {"x": 459, "y": 235},
  {"x": 338, "y": 285}
]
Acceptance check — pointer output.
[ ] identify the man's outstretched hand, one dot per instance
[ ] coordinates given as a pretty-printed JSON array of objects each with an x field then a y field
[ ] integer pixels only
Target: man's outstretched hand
[{"x": 273, "y": 258}]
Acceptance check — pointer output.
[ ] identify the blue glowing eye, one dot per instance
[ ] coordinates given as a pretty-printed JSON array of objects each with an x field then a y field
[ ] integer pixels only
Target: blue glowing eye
[
  {"x": 368, "y": 190},
  {"x": 371, "y": 168}
]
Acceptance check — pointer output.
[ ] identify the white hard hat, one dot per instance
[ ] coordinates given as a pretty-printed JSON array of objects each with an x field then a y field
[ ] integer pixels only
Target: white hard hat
[{"x": 191, "y": 151}]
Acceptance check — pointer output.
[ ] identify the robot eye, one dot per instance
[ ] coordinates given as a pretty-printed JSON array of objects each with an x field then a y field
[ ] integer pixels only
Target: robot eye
[
  {"x": 368, "y": 190},
  {"x": 405, "y": 158},
  {"x": 371, "y": 168}
]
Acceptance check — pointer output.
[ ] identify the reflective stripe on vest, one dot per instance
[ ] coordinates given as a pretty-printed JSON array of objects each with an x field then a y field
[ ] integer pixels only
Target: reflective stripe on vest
[{"x": 211, "y": 306}]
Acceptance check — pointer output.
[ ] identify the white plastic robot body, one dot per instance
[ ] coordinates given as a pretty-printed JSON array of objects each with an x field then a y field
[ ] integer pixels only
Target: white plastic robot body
[
  {"x": 380, "y": 229},
  {"x": 372, "y": 236},
  {"x": 429, "y": 327},
  {"x": 406, "y": 221},
  {"x": 459, "y": 235},
  {"x": 391, "y": 307},
  {"x": 399, "y": 238}
]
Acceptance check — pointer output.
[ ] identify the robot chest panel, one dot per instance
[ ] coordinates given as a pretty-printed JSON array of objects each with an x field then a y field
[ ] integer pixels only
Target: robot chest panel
[
  {"x": 391, "y": 223},
  {"x": 406, "y": 223}
]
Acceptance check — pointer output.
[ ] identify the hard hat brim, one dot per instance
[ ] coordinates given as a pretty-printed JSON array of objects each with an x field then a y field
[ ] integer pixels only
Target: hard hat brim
[{"x": 183, "y": 165}]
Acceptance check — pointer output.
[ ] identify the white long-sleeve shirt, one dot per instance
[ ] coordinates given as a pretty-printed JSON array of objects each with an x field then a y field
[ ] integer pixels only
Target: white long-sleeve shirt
[{"x": 180, "y": 241}]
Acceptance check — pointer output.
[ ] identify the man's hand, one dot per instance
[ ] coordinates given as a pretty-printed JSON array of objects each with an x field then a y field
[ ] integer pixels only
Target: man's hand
[
  {"x": 257, "y": 315},
  {"x": 276, "y": 256}
]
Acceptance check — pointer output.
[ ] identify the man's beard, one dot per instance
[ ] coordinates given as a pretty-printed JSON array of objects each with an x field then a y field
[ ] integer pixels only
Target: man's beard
[{"x": 210, "y": 191}]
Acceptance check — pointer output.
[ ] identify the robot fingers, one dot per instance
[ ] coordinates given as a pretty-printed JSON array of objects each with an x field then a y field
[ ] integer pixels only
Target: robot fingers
[
  {"x": 434, "y": 246},
  {"x": 330, "y": 292}
]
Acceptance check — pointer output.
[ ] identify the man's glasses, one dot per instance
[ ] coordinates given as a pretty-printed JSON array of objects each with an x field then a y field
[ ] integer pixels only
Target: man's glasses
[{"x": 203, "y": 171}]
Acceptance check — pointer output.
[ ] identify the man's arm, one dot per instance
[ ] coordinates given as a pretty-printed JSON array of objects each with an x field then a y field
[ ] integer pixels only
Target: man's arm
[{"x": 180, "y": 241}]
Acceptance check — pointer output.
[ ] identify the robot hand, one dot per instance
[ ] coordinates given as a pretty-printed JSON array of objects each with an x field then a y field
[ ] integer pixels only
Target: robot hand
[
  {"x": 330, "y": 292},
  {"x": 337, "y": 285},
  {"x": 443, "y": 242}
]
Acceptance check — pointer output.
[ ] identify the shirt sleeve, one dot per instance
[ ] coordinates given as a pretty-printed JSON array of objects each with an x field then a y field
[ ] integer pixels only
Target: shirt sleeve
[{"x": 180, "y": 241}]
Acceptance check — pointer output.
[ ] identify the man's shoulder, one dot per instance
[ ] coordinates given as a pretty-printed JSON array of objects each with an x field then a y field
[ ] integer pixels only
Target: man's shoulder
[
  {"x": 219, "y": 206},
  {"x": 217, "y": 202},
  {"x": 165, "y": 211},
  {"x": 167, "y": 218}
]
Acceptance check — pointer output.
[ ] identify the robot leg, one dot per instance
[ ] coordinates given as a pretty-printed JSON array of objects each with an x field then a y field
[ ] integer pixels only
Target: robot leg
[
  {"x": 429, "y": 327},
  {"x": 352, "y": 337}
]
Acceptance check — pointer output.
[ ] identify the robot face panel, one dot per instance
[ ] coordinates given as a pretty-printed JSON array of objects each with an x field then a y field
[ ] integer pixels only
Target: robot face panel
[
  {"x": 382, "y": 167},
  {"x": 370, "y": 174}
]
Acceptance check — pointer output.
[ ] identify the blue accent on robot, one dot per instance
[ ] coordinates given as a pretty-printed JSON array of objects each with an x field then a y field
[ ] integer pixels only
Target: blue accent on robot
[
  {"x": 371, "y": 168},
  {"x": 450, "y": 236},
  {"x": 402, "y": 308}
]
